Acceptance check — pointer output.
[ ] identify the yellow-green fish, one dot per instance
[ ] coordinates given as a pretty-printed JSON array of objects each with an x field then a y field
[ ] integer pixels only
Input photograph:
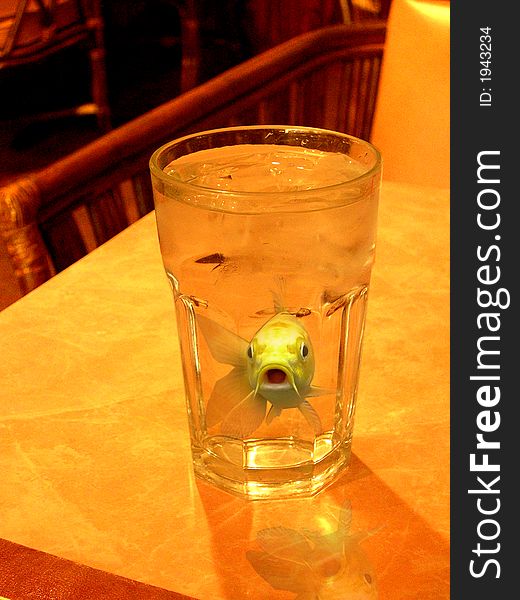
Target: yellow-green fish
[{"x": 276, "y": 366}]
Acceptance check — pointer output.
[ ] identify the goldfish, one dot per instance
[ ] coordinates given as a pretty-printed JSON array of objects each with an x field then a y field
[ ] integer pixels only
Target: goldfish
[
  {"x": 276, "y": 366},
  {"x": 316, "y": 565}
]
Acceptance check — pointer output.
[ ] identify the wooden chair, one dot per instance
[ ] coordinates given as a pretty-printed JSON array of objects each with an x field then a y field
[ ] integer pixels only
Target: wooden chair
[
  {"x": 326, "y": 78},
  {"x": 31, "y": 30}
]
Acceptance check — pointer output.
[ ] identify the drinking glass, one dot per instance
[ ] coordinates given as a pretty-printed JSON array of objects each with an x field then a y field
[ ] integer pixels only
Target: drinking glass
[{"x": 267, "y": 235}]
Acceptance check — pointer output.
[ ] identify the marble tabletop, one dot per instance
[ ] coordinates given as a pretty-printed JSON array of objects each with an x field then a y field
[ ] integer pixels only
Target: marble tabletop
[{"x": 95, "y": 462}]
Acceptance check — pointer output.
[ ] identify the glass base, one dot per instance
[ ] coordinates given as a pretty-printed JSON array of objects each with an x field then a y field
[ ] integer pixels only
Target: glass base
[{"x": 271, "y": 468}]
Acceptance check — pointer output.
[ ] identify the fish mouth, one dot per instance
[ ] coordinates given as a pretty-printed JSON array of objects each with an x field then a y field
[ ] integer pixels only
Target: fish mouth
[{"x": 275, "y": 376}]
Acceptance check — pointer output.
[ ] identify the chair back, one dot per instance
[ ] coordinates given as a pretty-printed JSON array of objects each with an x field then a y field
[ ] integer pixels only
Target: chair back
[
  {"x": 272, "y": 22},
  {"x": 31, "y": 30},
  {"x": 412, "y": 118},
  {"x": 326, "y": 78}
]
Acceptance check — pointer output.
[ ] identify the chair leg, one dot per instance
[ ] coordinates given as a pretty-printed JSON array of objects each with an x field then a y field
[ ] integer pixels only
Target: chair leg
[
  {"x": 191, "y": 53},
  {"x": 99, "y": 88}
]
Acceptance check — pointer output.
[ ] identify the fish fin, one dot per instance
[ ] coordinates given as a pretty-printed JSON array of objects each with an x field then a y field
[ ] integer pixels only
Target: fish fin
[
  {"x": 313, "y": 537},
  {"x": 361, "y": 536},
  {"x": 274, "y": 411},
  {"x": 227, "y": 392},
  {"x": 315, "y": 391},
  {"x": 281, "y": 573},
  {"x": 225, "y": 346},
  {"x": 246, "y": 416},
  {"x": 312, "y": 416},
  {"x": 284, "y": 543}
]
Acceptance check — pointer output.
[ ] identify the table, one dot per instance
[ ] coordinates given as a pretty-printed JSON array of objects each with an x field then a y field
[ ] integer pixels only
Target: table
[{"x": 94, "y": 450}]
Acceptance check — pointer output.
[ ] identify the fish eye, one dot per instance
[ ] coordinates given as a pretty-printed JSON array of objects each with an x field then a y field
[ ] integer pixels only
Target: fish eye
[
  {"x": 304, "y": 350},
  {"x": 250, "y": 352}
]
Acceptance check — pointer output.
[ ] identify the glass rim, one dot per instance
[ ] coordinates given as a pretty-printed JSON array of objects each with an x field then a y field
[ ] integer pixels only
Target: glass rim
[{"x": 159, "y": 173}]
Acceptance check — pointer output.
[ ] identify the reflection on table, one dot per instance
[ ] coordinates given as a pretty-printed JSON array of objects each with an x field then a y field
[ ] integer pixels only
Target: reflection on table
[{"x": 94, "y": 448}]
